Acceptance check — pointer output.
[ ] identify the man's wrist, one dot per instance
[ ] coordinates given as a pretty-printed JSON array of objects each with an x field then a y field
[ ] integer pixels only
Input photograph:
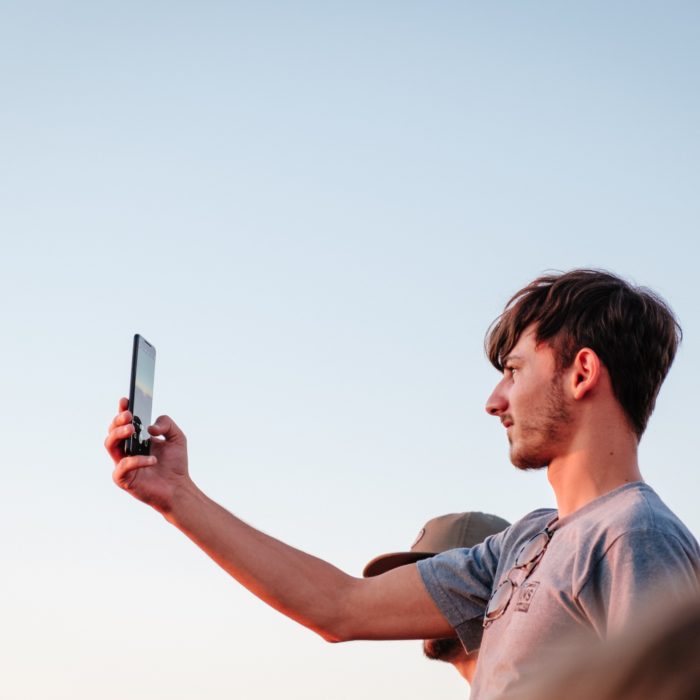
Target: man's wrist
[{"x": 185, "y": 500}]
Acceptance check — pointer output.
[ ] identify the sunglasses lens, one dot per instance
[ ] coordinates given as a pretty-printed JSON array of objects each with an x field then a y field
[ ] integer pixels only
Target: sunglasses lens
[
  {"x": 526, "y": 561},
  {"x": 532, "y": 549},
  {"x": 499, "y": 600}
]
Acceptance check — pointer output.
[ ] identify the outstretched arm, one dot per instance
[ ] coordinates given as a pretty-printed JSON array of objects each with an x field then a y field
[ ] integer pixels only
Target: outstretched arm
[{"x": 309, "y": 590}]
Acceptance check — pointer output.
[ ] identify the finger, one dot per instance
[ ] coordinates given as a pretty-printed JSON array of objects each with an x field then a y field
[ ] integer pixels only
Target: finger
[
  {"x": 114, "y": 442},
  {"x": 123, "y": 404},
  {"x": 120, "y": 419},
  {"x": 166, "y": 427},
  {"x": 126, "y": 467}
]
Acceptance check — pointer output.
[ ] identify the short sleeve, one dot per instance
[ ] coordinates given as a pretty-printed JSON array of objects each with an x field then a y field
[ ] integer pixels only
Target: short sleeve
[{"x": 460, "y": 582}]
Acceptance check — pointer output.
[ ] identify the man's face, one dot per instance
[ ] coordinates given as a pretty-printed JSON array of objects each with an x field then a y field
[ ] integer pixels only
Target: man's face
[{"x": 530, "y": 400}]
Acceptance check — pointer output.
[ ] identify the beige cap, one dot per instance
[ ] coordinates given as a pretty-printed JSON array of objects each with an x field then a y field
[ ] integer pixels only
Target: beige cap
[{"x": 438, "y": 535}]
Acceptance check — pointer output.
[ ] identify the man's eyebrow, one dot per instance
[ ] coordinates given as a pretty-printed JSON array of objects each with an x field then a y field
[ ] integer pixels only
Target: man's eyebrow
[{"x": 510, "y": 357}]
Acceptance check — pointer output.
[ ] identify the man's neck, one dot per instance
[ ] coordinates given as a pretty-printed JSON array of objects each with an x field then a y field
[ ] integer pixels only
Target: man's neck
[
  {"x": 466, "y": 665},
  {"x": 594, "y": 465}
]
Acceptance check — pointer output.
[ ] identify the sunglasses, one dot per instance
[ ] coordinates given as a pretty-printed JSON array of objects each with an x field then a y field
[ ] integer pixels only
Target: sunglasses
[{"x": 528, "y": 558}]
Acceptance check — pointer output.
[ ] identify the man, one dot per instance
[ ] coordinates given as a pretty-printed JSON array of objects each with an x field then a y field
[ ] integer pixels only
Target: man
[
  {"x": 582, "y": 357},
  {"x": 453, "y": 531}
]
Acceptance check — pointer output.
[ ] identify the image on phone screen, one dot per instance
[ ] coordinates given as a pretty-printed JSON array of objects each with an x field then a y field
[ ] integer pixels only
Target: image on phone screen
[{"x": 141, "y": 395}]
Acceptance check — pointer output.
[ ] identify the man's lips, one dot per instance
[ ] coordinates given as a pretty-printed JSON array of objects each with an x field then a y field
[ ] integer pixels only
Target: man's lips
[{"x": 507, "y": 424}]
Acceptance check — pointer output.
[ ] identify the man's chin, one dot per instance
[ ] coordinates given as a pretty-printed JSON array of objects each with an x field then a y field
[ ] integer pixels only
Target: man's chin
[
  {"x": 524, "y": 461},
  {"x": 442, "y": 649}
]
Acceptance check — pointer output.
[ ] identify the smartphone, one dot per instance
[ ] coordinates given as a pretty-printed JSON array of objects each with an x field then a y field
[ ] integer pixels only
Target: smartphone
[{"x": 143, "y": 366}]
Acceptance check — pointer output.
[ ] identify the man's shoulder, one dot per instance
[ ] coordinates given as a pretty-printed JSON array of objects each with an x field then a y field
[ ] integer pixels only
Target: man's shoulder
[
  {"x": 637, "y": 507},
  {"x": 529, "y": 525},
  {"x": 634, "y": 510},
  {"x": 538, "y": 518},
  {"x": 633, "y": 538}
]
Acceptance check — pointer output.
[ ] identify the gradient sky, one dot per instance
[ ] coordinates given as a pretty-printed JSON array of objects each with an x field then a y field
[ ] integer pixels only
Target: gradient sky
[{"x": 313, "y": 211}]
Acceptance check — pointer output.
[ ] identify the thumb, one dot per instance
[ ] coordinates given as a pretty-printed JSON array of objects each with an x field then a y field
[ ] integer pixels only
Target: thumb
[{"x": 166, "y": 427}]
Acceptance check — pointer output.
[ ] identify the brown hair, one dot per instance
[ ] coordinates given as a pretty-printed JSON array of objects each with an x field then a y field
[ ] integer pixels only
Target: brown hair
[{"x": 630, "y": 328}]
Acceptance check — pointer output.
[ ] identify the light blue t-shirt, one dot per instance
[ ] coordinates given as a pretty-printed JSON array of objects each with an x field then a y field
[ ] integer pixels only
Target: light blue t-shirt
[{"x": 604, "y": 564}]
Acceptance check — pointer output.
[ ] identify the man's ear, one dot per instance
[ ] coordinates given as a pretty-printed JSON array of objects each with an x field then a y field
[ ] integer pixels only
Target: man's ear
[{"x": 585, "y": 371}]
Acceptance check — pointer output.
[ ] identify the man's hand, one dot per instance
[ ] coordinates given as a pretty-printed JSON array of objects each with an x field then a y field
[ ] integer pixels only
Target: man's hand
[{"x": 157, "y": 478}]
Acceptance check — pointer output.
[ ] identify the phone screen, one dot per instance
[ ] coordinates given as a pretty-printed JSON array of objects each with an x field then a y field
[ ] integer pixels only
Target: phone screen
[{"x": 141, "y": 395}]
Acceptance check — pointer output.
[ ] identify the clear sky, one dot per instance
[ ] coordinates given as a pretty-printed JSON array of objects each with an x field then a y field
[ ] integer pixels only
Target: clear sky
[{"x": 313, "y": 210}]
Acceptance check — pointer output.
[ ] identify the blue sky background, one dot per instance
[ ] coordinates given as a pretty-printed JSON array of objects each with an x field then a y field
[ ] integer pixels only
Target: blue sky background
[{"x": 314, "y": 211}]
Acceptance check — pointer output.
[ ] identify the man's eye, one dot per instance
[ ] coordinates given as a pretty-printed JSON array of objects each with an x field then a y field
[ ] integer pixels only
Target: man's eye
[{"x": 511, "y": 371}]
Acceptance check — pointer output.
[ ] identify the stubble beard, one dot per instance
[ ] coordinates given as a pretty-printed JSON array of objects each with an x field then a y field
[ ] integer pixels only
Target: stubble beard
[
  {"x": 542, "y": 431},
  {"x": 442, "y": 649}
]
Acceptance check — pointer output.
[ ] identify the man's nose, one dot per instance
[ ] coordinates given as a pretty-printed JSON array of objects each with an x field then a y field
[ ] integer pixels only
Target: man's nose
[{"x": 497, "y": 402}]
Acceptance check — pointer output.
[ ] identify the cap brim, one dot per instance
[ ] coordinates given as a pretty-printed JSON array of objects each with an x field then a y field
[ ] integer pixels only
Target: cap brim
[{"x": 386, "y": 562}]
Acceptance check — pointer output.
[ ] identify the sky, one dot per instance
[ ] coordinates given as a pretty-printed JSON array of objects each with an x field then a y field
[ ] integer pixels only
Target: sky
[{"x": 313, "y": 211}]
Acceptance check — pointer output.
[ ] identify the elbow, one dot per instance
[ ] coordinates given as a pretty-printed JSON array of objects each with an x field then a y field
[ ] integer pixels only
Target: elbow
[
  {"x": 338, "y": 618},
  {"x": 337, "y": 615},
  {"x": 341, "y": 626},
  {"x": 336, "y": 632},
  {"x": 332, "y": 638}
]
